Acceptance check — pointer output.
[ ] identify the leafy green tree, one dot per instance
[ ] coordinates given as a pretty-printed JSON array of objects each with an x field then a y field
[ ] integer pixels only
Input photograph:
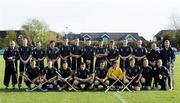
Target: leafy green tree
[
  {"x": 4, "y": 43},
  {"x": 35, "y": 29},
  {"x": 11, "y": 35}
]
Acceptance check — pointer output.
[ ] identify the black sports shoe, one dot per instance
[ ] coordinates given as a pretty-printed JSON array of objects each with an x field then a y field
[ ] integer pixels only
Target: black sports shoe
[
  {"x": 13, "y": 86},
  {"x": 19, "y": 86}
]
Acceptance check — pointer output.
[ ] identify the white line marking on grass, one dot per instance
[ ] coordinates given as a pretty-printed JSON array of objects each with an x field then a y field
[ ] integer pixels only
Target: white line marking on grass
[{"x": 120, "y": 98}]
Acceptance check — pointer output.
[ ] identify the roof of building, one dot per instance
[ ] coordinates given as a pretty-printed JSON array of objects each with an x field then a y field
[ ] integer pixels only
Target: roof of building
[{"x": 109, "y": 35}]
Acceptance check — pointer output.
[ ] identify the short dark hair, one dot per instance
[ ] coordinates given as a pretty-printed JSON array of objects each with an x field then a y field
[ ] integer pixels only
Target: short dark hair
[
  {"x": 49, "y": 60},
  {"x": 100, "y": 40},
  {"x": 115, "y": 62},
  {"x": 112, "y": 41},
  {"x": 102, "y": 61},
  {"x": 65, "y": 37},
  {"x": 52, "y": 41},
  {"x": 65, "y": 62},
  {"x": 82, "y": 63},
  {"x": 38, "y": 41},
  {"x": 166, "y": 41},
  {"x": 76, "y": 38},
  {"x": 131, "y": 59},
  {"x": 88, "y": 39},
  {"x": 25, "y": 38},
  {"x": 145, "y": 59},
  {"x": 32, "y": 60}
]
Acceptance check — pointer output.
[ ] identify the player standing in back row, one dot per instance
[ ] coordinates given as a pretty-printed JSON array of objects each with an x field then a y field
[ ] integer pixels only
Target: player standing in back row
[
  {"x": 88, "y": 55},
  {"x": 65, "y": 50},
  {"x": 38, "y": 53},
  {"x": 100, "y": 52},
  {"x": 124, "y": 53},
  {"x": 76, "y": 52},
  {"x": 112, "y": 54},
  {"x": 168, "y": 57},
  {"x": 53, "y": 53},
  {"x": 139, "y": 53},
  {"x": 24, "y": 55},
  {"x": 10, "y": 56}
]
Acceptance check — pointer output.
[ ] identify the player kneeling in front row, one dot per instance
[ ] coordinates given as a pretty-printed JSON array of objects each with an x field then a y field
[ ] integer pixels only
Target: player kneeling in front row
[
  {"x": 82, "y": 76},
  {"x": 115, "y": 75},
  {"x": 133, "y": 75},
  {"x": 147, "y": 73},
  {"x": 32, "y": 75},
  {"x": 65, "y": 77},
  {"x": 101, "y": 76},
  {"x": 161, "y": 75},
  {"x": 48, "y": 73}
]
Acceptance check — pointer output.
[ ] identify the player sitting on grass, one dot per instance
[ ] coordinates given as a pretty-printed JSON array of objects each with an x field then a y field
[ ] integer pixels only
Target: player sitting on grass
[
  {"x": 32, "y": 75},
  {"x": 161, "y": 75},
  {"x": 49, "y": 72},
  {"x": 147, "y": 73},
  {"x": 65, "y": 76},
  {"x": 101, "y": 76},
  {"x": 82, "y": 76},
  {"x": 115, "y": 73},
  {"x": 133, "y": 75}
]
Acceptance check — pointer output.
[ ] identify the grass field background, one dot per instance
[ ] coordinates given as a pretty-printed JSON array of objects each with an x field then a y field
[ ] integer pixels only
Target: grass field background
[{"x": 16, "y": 96}]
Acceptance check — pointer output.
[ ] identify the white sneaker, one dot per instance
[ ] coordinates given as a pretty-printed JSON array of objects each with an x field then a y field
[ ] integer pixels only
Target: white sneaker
[
  {"x": 51, "y": 86},
  {"x": 6, "y": 88},
  {"x": 60, "y": 89},
  {"x": 70, "y": 88},
  {"x": 43, "y": 90},
  {"x": 28, "y": 90}
]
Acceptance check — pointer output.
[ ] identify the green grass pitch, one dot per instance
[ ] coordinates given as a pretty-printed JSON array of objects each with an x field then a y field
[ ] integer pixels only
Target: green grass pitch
[{"x": 91, "y": 96}]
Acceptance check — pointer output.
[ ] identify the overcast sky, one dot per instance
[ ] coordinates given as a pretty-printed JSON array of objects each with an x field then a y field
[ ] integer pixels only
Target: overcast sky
[{"x": 147, "y": 17}]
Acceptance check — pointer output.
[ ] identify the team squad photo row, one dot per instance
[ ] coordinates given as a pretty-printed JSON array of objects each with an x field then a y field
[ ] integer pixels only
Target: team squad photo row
[{"x": 87, "y": 67}]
